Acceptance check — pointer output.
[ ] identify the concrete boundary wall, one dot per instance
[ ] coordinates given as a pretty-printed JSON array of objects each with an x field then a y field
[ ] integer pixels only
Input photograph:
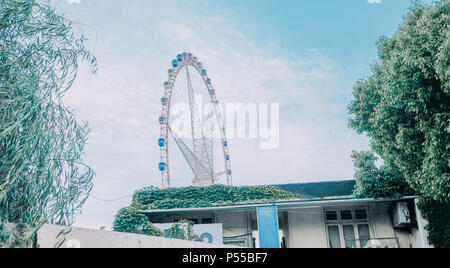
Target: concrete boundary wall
[{"x": 53, "y": 236}]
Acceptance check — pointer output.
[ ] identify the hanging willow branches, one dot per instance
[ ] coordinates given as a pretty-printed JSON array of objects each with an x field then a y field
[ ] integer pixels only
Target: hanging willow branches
[{"x": 42, "y": 177}]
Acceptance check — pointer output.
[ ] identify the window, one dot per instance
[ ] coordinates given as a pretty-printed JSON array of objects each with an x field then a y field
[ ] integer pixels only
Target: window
[
  {"x": 347, "y": 228},
  {"x": 364, "y": 234},
  {"x": 349, "y": 236},
  {"x": 195, "y": 221},
  {"x": 334, "y": 237},
  {"x": 346, "y": 215},
  {"x": 331, "y": 215},
  {"x": 361, "y": 214},
  {"x": 207, "y": 220}
]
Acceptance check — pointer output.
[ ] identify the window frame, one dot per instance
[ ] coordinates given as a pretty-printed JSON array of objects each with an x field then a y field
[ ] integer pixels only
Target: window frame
[
  {"x": 328, "y": 234},
  {"x": 353, "y": 222},
  {"x": 202, "y": 220},
  {"x": 331, "y": 221}
]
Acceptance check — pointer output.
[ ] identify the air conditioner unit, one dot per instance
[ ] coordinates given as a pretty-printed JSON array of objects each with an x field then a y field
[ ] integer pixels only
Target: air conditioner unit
[{"x": 402, "y": 216}]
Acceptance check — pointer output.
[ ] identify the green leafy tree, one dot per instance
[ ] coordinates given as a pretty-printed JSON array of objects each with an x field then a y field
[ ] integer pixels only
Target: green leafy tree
[
  {"x": 374, "y": 182},
  {"x": 183, "y": 230},
  {"x": 42, "y": 176},
  {"x": 404, "y": 106},
  {"x": 130, "y": 220},
  {"x": 438, "y": 215}
]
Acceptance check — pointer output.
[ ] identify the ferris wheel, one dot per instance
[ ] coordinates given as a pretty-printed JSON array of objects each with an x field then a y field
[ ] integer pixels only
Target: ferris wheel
[{"x": 201, "y": 136}]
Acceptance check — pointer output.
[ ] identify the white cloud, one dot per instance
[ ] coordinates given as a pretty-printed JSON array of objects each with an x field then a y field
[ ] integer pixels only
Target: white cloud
[{"x": 374, "y": 1}]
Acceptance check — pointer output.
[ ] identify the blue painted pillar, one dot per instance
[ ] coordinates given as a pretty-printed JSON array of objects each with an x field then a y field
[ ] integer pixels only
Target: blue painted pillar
[{"x": 268, "y": 227}]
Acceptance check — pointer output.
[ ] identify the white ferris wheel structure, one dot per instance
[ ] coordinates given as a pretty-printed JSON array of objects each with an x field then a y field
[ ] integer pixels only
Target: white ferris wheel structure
[{"x": 187, "y": 83}]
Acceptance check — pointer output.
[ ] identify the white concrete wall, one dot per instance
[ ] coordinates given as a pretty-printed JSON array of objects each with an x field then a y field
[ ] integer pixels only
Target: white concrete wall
[
  {"x": 419, "y": 236},
  {"x": 306, "y": 228},
  {"x": 382, "y": 226},
  {"x": 51, "y": 236},
  {"x": 234, "y": 223}
]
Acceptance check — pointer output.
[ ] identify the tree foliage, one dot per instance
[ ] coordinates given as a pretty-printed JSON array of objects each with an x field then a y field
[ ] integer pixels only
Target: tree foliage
[
  {"x": 183, "y": 230},
  {"x": 42, "y": 176},
  {"x": 374, "y": 182},
  {"x": 130, "y": 220},
  {"x": 404, "y": 106},
  {"x": 438, "y": 215}
]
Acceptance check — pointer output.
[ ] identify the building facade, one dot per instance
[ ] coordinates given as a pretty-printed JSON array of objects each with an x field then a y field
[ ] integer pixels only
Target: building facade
[{"x": 340, "y": 222}]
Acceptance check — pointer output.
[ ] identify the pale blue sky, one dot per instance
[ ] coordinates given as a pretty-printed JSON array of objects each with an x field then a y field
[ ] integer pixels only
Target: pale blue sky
[{"x": 305, "y": 55}]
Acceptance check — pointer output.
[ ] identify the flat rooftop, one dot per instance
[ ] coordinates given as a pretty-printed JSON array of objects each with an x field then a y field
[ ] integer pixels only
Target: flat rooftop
[{"x": 282, "y": 204}]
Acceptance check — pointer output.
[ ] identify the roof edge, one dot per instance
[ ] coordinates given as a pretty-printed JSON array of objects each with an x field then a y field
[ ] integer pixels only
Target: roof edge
[{"x": 300, "y": 203}]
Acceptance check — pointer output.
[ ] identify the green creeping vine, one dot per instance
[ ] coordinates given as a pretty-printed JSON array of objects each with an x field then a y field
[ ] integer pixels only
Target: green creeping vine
[
  {"x": 217, "y": 195},
  {"x": 132, "y": 221}
]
